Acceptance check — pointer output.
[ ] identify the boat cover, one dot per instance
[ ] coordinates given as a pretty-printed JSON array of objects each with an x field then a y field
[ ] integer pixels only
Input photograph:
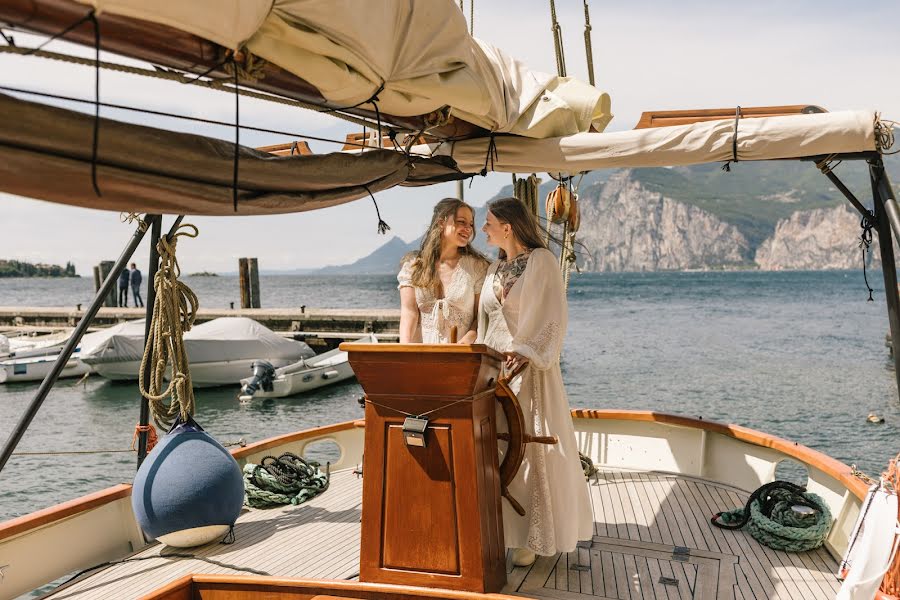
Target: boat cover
[
  {"x": 122, "y": 342},
  {"x": 415, "y": 56},
  {"x": 226, "y": 338},
  {"x": 764, "y": 138},
  {"x": 239, "y": 338},
  {"x": 45, "y": 153}
]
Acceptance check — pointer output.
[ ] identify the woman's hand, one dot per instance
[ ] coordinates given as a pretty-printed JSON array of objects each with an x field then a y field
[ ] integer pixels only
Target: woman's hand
[{"x": 514, "y": 360}]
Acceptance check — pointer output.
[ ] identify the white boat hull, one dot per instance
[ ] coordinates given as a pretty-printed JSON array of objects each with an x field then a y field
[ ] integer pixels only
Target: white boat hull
[
  {"x": 209, "y": 374},
  {"x": 36, "y": 368},
  {"x": 308, "y": 374}
]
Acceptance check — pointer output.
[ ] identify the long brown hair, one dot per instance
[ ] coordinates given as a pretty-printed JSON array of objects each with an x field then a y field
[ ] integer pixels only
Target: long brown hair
[
  {"x": 424, "y": 271},
  {"x": 523, "y": 222}
]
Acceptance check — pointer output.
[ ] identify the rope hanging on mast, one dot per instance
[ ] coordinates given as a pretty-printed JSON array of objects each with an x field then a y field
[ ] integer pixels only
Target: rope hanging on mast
[
  {"x": 174, "y": 313},
  {"x": 588, "y": 51}
]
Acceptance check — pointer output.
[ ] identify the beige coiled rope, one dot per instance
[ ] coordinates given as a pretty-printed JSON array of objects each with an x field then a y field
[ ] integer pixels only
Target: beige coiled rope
[{"x": 174, "y": 313}]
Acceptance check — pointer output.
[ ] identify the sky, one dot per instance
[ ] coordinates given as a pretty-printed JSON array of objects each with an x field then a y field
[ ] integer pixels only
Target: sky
[{"x": 648, "y": 55}]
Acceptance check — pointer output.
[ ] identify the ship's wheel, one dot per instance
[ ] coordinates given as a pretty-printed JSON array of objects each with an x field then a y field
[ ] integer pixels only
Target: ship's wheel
[{"x": 515, "y": 437}]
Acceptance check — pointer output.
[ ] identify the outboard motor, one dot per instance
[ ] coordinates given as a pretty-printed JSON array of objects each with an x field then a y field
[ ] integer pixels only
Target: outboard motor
[{"x": 263, "y": 373}]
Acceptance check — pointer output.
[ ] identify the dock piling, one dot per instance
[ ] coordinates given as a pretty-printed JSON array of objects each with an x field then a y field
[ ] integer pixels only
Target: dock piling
[{"x": 248, "y": 274}]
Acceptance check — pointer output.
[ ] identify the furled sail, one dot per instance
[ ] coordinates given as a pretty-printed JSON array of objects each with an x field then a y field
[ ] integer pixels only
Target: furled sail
[
  {"x": 415, "y": 57},
  {"x": 767, "y": 138},
  {"x": 45, "y": 153}
]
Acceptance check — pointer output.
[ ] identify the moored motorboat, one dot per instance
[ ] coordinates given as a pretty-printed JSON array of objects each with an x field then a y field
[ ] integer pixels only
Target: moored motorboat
[
  {"x": 221, "y": 351},
  {"x": 303, "y": 376},
  {"x": 35, "y": 368}
]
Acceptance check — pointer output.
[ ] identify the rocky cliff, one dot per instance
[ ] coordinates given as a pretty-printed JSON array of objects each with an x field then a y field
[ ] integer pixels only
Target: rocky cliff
[
  {"x": 626, "y": 227},
  {"x": 826, "y": 238}
]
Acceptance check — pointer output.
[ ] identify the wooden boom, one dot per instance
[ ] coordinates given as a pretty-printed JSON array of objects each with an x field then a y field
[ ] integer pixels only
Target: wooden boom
[{"x": 668, "y": 118}]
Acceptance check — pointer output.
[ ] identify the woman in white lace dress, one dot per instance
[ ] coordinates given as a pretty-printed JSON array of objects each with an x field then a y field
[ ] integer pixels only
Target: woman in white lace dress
[
  {"x": 439, "y": 284},
  {"x": 523, "y": 314}
]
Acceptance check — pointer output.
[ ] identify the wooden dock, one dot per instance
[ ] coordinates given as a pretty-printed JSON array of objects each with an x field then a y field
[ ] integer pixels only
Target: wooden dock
[{"x": 320, "y": 328}]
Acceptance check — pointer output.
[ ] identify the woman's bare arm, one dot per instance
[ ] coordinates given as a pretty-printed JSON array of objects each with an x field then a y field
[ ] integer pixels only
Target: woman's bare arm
[
  {"x": 409, "y": 315},
  {"x": 470, "y": 336}
]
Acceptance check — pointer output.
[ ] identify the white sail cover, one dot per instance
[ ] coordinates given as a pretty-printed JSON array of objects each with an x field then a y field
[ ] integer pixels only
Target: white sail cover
[
  {"x": 764, "y": 138},
  {"x": 237, "y": 338},
  {"x": 417, "y": 56}
]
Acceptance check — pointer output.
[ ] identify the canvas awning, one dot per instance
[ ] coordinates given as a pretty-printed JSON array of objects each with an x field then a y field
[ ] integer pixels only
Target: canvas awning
[
  {"x": 415, "y": 56},
  {"x": 45, "y": 153},
  {"x": 795, "y": 136}
]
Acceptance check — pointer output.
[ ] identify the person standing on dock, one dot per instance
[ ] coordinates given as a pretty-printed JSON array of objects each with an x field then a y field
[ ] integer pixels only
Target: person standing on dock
[
  {"x": 523, "y": 314},
  {"x": 439, "y": 284},
  {"x": 124, "y": 278},
  {"x": 135, "y": 278}
]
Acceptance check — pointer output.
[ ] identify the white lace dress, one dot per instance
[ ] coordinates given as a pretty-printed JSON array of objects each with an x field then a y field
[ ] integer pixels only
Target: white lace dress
[
  {"x": 550, "y": 484},
  {"x": 457, "y": 308}
]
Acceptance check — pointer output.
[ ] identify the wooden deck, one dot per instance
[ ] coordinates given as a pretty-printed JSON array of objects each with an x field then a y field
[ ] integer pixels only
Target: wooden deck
[{"x": 652, "y": 540}]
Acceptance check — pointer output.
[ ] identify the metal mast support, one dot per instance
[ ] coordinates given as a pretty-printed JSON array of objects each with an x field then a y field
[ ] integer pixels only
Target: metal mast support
[
  {"x": 144, "y": 419},
  {"x": 72, "y": 343},
  {"x": 887, "y": 217}
]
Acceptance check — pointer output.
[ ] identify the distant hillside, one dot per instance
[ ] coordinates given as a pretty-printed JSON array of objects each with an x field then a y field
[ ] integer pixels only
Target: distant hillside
[{"x": 17, "y": 268}]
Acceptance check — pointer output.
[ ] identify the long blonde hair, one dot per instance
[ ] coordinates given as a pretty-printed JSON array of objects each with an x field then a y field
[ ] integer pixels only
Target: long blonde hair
[
  {"x": 424, "y": 268},
  {"x": 524, "y": 225}
]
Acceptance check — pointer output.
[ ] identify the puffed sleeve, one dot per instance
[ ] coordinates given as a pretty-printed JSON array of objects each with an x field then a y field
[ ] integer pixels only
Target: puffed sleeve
[
  {"x": 543, "y": 314},
  {"x": 404, "y": 277}
]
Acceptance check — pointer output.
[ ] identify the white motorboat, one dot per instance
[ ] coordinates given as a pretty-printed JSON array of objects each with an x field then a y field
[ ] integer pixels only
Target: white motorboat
[
  {"x": 35, "y": 368},
  {"x": 32, "y": 362},
  {"x": 220, "y": 351},
  {"x": 302, "y": 376}
]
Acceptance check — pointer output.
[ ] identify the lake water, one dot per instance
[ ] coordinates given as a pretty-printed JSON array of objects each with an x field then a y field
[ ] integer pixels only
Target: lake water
[{"x": 799, "y": 355}]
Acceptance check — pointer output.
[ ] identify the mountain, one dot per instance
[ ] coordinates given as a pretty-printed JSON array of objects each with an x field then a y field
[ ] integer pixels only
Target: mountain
[
  {"x": 386, "y": 259},
  {"x": 768, "y": 215}
]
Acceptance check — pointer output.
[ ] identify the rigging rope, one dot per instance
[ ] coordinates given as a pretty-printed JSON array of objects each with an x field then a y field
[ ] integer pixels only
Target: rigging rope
[
  {"x": 168, "y": 75},
  {"x": 588, "y": 50},
  {"x": 557, "y": 41},
  {"x": 771, "y": 519},
  {"x": 174, "y": 313}
]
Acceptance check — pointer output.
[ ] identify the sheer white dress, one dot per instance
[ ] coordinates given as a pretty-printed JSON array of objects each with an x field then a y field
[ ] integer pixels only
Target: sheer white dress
[
  {"x": 457, "y": 308},
  {"x": 550, "y": 484}
]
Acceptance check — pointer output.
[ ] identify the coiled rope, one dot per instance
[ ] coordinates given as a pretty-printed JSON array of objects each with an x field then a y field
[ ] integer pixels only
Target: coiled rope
[
  {"x": 287, "y": 479},
  {"x": 174, "y": 313},
  {"x": 771, "y": 519}
]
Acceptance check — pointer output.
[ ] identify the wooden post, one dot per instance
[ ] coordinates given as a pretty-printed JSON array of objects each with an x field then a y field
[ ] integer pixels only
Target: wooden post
[
  {"x": 253, "y": 272},
  {"x": 100, "y": 273},
  {"x": 244, "y": 278}
]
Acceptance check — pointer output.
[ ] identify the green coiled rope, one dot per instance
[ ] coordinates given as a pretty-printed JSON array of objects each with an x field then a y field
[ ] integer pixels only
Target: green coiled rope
[
  {"x": 771, "y": 519},
  {"x": 287, "y": 479}
]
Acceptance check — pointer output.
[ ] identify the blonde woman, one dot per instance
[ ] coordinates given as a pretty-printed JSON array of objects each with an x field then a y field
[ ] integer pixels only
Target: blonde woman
[
  {"x": 439, "y": 284},
  {"x": 523, "y": 314}
]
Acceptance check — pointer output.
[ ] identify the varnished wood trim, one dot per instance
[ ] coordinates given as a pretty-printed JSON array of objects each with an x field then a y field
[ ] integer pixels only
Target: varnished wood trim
[
  {"x": 293, "y": 437},
  {"x": 180, "y": 589},
  {"x": 668, "y": 118},
  {"x": 813, "y": 458},
  {"x": 61, "y": 511},
  {"x": 350, "y": 589},
  {"x": 421, "y": 349}
]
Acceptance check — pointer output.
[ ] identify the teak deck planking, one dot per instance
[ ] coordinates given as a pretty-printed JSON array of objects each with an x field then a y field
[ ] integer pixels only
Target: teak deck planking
[{"x": 639, "y": 518}]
